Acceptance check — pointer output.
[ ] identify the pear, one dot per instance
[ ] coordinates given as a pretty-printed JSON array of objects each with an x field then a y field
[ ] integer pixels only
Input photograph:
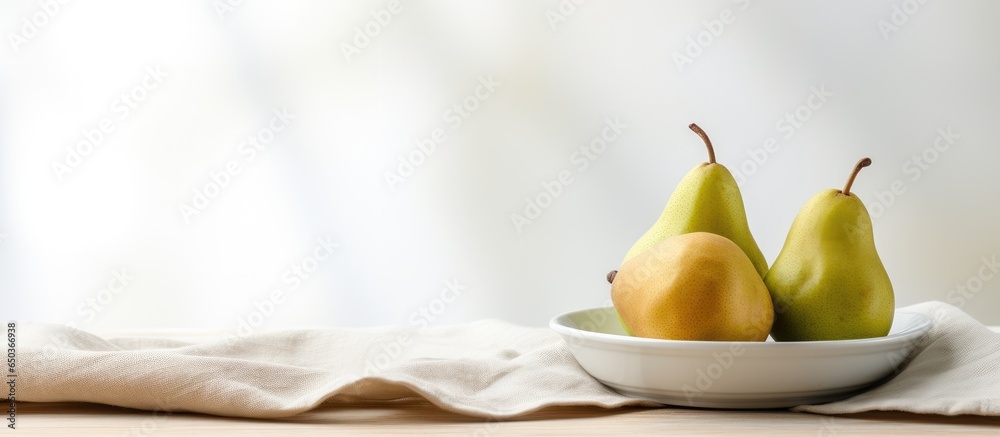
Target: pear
[
  {"x": 707, "y": 199},
  {"x": 695, "y": 286},
  {"x": 828, "y": 282}
]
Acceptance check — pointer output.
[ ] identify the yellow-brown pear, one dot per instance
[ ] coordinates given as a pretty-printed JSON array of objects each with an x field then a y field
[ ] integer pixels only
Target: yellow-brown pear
[{"x": 697, "y": 286}]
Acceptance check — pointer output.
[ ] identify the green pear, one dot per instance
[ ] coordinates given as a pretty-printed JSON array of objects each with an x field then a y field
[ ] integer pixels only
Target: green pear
[
  {"x": 828, "y": 282},
  {"x": 707, "y": 199}
]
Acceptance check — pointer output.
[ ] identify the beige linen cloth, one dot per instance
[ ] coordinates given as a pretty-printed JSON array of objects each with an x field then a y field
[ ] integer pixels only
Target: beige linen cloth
[{"x": 489, "y": 369}]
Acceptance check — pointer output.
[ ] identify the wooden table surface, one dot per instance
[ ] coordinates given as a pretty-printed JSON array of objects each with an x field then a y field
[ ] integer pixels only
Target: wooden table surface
[
  {"x": 420, "y": 417},
  {"x": 423, "y": 418}
]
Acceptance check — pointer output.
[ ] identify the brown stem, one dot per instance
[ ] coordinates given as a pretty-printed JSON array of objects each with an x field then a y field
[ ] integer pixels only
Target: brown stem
[
  {"x": 611, "y": 276},
  {"x": 864, "y": 162},
  {"x": 708, "y": 142}
]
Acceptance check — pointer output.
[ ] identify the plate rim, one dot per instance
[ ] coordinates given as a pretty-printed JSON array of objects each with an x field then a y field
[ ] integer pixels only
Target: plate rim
[{"x": 918, "y": 329}]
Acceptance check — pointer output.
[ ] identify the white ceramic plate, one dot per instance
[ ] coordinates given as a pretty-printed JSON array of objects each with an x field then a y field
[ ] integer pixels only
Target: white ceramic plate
[{"x": 733, "y": 374}]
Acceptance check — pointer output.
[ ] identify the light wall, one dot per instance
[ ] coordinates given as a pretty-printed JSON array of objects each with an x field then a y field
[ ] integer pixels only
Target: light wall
[{"x": 558, "y": 79}]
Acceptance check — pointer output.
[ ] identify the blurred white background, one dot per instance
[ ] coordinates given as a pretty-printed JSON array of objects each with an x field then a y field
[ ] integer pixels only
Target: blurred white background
[{"x": 103, "y": 241}]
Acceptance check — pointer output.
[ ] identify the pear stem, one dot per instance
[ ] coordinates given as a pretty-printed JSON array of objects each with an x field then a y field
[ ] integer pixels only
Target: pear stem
[
  {"x": 611, "y": 276},
  {"x": 864, "y": 162},
  {"x": 708, "y": 142}
]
